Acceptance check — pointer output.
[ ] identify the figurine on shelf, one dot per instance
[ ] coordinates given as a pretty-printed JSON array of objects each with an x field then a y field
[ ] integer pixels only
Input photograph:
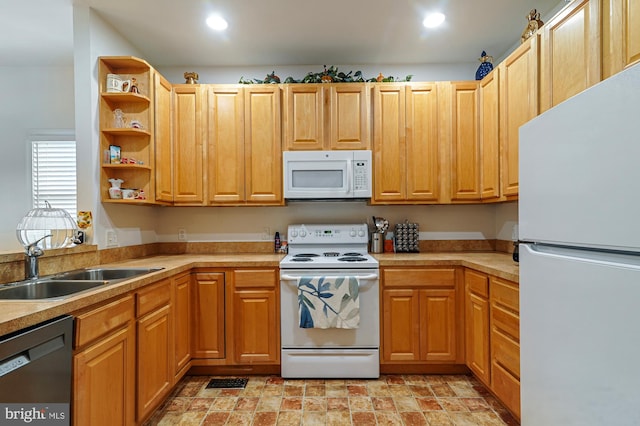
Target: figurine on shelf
[
  {"x": 485, "y": 67},
  {"x": 118, "y": 118},
  {"x": 134, "y": 85},
  {"x": 533, "y": 25},
  {"x": 191, "y": 77}
]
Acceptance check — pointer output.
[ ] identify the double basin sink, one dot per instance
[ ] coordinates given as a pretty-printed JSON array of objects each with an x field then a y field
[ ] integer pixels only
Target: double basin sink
[{"x": 66, "y": 284}]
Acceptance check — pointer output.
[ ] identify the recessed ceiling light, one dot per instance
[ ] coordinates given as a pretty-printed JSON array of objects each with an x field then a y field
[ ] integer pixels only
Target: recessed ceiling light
[
  {"x": 217, "y": 23},
  {"x": 433, "y": 20}
]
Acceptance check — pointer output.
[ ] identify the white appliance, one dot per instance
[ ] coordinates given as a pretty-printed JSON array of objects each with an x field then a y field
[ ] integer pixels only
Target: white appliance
[
  {"x": 329, "y": 251},
  {"x": 319, "y": 175},
  {"x": 579, "y": 209}
]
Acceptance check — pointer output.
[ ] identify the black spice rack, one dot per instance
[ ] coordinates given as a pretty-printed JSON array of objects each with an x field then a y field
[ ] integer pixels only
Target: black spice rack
[{"x": 407, "y": 237}]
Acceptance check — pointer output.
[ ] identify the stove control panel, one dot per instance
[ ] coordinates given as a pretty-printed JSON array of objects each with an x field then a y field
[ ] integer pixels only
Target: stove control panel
[{"x": 324, "y": 234}]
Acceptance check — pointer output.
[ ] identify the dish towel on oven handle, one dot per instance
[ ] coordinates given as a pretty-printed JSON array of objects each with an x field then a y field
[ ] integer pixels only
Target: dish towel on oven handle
[{"x": 328, "y": 302}]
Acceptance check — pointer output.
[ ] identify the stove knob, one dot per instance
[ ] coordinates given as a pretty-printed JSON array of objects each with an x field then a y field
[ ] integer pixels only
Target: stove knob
[
  {"x": 352, "y": 233},
  {"x": 361, "y": 233},
  {"x": 303, "y": 233},
  {"x": 294, "y": 233}
]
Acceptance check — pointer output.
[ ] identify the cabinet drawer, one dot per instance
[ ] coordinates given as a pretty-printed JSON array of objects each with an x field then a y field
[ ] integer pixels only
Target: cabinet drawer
[
  {"x": 441, "y": 277},
  {"x": 506, "y": 321},
  {"x": 99, "y": 322},
  {"x": 477, "y": 283},
  {"x": 505, "y": 293},
  {"x": 505, "y": 352},
  {"x": 507, "y": 388},
  {"x": 152, "y": 297},
  {"x": 263, "y": 278}
]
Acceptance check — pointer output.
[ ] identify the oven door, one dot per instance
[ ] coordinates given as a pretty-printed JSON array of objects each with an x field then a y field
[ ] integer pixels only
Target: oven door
[
  {"x": 367, "y": 335},
  {"x": 330, "y": 352}
]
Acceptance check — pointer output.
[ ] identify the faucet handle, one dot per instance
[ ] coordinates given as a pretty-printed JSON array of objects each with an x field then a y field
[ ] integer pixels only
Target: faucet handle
[{"x": 33, "y": 250}]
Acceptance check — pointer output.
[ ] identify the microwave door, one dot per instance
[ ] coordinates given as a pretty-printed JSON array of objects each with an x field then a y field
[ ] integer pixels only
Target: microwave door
[{"x": 326, "y": 179}]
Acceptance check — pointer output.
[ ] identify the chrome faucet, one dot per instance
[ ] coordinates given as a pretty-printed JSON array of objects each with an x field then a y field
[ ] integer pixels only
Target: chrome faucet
[{"x": 33, "y": 252}]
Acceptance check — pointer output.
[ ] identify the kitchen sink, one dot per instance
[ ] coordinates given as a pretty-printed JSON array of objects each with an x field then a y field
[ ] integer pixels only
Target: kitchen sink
[
  {"x": 45, "y": 289},
  {"x": 105, "y": 274},
  {"x": 68, "y": 283}
]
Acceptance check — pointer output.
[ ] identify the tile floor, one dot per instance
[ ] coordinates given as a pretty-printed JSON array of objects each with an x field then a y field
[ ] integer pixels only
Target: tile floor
[{"x": 390, "y": 400}]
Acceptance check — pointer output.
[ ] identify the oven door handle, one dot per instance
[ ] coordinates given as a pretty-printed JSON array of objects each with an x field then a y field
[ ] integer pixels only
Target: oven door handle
[{"x": 294, "y": 278}]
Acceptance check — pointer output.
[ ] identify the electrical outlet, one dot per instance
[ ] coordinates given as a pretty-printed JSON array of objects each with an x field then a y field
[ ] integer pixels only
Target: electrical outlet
[
  {"x": 182, "y": 234},
  {"x": 266, "y": 233},
  {"x": 111, "y": 238}
]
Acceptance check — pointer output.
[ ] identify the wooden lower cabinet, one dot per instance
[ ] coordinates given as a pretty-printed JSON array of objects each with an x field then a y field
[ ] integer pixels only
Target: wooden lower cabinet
[
  {"x": 477, "y": 324},
  {"x": 104, "y": 365},
  {"x": 208, "y": 325},
  {"x": 181, "y": 305},
  {"x": 256, "y": 316},
  {"x": 420, "y": 308},
  {"x": 505, "y": 342},
  {"x": 155, "y": 347}
]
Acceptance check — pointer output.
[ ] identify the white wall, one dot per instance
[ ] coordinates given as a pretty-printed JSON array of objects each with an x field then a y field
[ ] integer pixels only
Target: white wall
[{"x": 34, "y": 99}]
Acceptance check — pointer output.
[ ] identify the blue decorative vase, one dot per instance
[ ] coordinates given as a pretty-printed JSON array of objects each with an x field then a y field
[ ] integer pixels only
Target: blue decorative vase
[{"x": 485, "y": 67}]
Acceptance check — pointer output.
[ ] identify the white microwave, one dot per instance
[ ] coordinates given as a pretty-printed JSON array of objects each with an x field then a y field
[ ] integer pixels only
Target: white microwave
[{"x": 318, "y": 175}]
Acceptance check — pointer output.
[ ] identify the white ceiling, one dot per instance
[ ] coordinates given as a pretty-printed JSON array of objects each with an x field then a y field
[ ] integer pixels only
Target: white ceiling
[{"x": 273, "y": 32}]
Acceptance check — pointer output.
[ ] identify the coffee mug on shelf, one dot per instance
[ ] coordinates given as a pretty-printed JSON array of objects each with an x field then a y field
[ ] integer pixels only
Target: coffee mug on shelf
[{"x": 115, "y": 84}]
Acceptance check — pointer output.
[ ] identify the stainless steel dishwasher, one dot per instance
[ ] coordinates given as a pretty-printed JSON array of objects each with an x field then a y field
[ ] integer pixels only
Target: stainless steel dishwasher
[{"x": 35, "y": 373}]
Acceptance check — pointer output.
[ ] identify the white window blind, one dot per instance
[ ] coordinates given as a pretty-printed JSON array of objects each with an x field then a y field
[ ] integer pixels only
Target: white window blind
[{"x": 53, "y": 174}]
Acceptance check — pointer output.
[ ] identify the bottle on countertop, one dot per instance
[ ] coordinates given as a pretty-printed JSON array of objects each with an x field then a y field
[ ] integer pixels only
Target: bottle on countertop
[{"x": 277, "y": 242}]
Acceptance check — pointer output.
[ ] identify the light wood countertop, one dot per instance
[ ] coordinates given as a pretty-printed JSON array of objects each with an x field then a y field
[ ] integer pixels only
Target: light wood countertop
[{"x": 16, "y": 315}]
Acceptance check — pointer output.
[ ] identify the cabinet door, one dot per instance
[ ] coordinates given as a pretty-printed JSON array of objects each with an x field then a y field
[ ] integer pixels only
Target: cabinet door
[
  {"x": 263, "y": 145},
  {"x": 208, "y": 315},
  {"x": 389, "y": 143},
  {"x": 226, "y": 157},
  {"x": 477, "y": 324},
  {"x": 518, "y": 104},
  {"x": 188, "y": 153},
  {"x": 163, "y": 140},
  {"x": 489, "y": 136},
  {"x": 438, "y": 325},
  {"x": 349, "y": 113},
  {"x": 304, "y": 117},
  {"x": 255, "y": 327},
  {"x": 181, "y": 304},
  {"x": 570, "y": 52},
  {"x": 155, "y": 356},
  {"x": 465, "y": 152},
  {"x": 423, "y": 155},
  {"x": 104, "y": 381},
  {"x": 620, "y": 35},
  {"x": 400, "y": 325}
]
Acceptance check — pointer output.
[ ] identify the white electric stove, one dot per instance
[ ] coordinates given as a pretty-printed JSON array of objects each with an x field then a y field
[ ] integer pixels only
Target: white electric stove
[{"x": 330, "y": 251}]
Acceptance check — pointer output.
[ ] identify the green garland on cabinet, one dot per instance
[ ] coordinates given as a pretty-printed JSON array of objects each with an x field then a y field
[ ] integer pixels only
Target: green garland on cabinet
[{"x": 330, "y": 75}]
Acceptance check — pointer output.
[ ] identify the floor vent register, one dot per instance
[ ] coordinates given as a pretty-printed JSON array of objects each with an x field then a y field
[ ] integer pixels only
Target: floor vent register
[{"x": 229, "y": 383}]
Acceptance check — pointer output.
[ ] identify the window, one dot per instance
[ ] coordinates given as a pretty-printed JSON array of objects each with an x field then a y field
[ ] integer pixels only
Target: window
[{"x": 53, "y": 173}]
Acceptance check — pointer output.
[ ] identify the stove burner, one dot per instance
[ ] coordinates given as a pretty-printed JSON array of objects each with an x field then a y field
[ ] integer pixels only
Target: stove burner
[
  {"x": 302, "y": 259},
  {"x": 352, "y": 254},
  {"x": 331, "y": 254},
  {"x": 352, "y": 259},
  {"x": 303, "y": 255}
]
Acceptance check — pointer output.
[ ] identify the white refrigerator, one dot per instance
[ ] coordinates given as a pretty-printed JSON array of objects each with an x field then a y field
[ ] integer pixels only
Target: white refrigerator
[{"x": 579, "y": 223}]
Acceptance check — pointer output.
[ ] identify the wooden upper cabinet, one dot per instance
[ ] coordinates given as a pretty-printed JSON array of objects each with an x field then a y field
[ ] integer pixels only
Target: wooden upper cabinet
[
  {"x": 304, "y": 117},
  {"x": 326, "y": 116},
  {"x": 225, "y": 145},
  {"x": 620, "y": 35},
  {"x": 164, "y": 146},
  {"x": 422, "y": 143},
  {"x": 263, "y": 145},
  {"x": 389, "y": 143},
  {"x": 465, "y": 152},
  {"x": 490, "y": 136},
  {"x": 518, "y": 104},
  {"x": 349, "y": 115},
  {"x": 188, "y": 129},
  {"x": 570, "y": 52}
]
